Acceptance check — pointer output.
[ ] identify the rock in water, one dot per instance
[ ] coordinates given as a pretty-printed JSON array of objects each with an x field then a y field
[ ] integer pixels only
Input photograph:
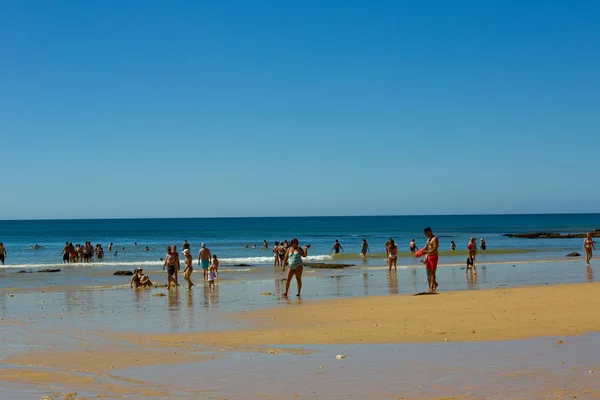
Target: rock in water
[
  {"x": 49, "y": 270},
  {"x": 573, "y": 254},
  {"x": 128, "y": 273}
]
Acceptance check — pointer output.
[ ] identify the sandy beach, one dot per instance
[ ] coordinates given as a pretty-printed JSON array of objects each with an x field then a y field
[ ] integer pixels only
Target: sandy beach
[
  {"x": 119, "y": 363},
  {"x": 483, "y": 315}
]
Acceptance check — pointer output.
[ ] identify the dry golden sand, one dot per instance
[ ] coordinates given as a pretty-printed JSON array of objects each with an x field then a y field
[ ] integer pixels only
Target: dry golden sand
[{"x": 481, "y": 315}]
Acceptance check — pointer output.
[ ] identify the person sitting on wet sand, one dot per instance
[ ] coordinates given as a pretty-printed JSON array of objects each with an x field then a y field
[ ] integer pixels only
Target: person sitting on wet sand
[{"x": 139, "y": 279}]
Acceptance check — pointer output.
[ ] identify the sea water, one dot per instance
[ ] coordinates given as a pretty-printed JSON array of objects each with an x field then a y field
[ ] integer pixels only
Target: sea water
[{"x": 228, "y": 237}]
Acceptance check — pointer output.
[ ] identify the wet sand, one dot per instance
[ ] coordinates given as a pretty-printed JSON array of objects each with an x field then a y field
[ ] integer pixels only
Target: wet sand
[
  {"x": 238, "y": 343},
  {"x": 483, "y": 315}
]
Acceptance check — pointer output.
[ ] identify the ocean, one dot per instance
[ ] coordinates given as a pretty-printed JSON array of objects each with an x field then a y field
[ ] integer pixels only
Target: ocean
[{"x": 227, "y": 237}]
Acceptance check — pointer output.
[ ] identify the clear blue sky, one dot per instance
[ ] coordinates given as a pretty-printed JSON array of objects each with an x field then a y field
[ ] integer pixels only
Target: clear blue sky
[{"x": 257, "y": 108}]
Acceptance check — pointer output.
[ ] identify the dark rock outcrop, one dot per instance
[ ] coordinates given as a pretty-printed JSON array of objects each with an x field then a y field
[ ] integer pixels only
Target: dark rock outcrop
[
  {"x": 242, "y": 265},
  {"x": 551, "y": 235},
  {"x": 49, "y": 270},
  {"x": 573, "y": 254},
  {"x": 127, "y": 273}
]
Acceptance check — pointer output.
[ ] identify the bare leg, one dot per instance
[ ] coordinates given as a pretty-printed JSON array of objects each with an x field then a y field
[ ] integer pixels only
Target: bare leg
[
  {"x": 298, "y": 274},
  {"x": 288, "y": 280}
]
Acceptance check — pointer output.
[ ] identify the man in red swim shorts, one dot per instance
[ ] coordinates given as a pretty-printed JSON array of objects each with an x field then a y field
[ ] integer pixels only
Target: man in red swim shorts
[{"x": 431, "y": 251}]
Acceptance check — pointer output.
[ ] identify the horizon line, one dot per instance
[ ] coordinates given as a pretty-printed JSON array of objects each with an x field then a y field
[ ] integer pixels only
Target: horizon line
[{"x": 294, "y": 216}]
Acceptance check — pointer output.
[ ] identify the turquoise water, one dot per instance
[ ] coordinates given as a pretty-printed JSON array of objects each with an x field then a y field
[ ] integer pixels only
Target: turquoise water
[{"x": 227, "y": 238}]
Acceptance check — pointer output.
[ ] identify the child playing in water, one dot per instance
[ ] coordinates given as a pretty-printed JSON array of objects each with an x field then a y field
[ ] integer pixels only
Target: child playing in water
[
  {"x": 211, "y": 277},
  {"x": 215, "y": 263}
]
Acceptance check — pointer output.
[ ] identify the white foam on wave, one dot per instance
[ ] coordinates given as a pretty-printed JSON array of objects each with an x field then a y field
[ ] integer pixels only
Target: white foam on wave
[{"x": 222, "y": 261}]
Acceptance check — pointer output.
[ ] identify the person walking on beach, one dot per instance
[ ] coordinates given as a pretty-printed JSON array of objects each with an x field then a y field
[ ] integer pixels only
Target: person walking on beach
[
  {"x": 412, "y": 246},
  {"x": 171, "y": 262},
  {"x": 471, "y": 254},
  {"x": 293, "y": 258},
  {"x": 3, "y": 253},
  {"x": 215, "y": 265},
  {"x": 392, "y": 255},
  {"x": 276, "y": 254},
  {"x": 187, "y": 272},
  {"x": 281, "y": 250},
  {"x": 211, "y": 277},
  {"x": 337, "y": 247},
  {"x": 482, "y": 244},
  {"x": 364, "y": 248},
  {"x": 431, "y": 260},
  {"x": 176, "y": 255},
  {"x": 204, "y": 259},
  {"x": 588, "y": 246}
]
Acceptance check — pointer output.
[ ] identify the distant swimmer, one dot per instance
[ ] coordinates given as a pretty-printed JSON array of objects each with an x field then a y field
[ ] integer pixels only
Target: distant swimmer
[
  {"x": 36, "y": 247},
  {"x": 3, "y": 253},
  {"x": 204, "y": 259},
  {"x": 110, "y": 247},
  {"x": 364, "y": 249},
  {"x": 293, "y": 257},
  {"x": 135, "y": 243},
  {"x": 452, "y": 245},
  {"x": 99, "y": 252},
  {"x": 247, "y": 245},
  {"x": 337, "y": 247},
  {"x": 147, "y": 248},
  {"x": 123, "y": 249},
  {"x": 392, "y": 255},
  {"x": 187, "y": 272},
  {"x": 588, "y": 246},
  {"x": 431, "y": 260},
  {"x": 265, "y": 244},
  {"x": 482, "y": 244},
  {"x": 471, "y": 254},
  {"x": 412, "y": 246},
  {"x": 116, "y": 253},
  {"x": 186, "y": 245},
  {"x": 254, "y": 246}
]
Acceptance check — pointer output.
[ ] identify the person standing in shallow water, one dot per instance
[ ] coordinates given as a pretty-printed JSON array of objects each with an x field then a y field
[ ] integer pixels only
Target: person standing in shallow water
[
  {"x": 364, "y": 248},
  {"x": 392, "y": 255},
  {"x": 482, "y": 244},
  {"x": 431, "y": 260},
  {"x": 293, "y": 258},
  {"x": 3, "y": 253},
  {"x": 588, "y": 246},
  {"x": 204, "y": 259},
  {"x": 412, "y": 246},
  {"x": 170, "y": 264},
  {"x": 187, "y": 272},
  {"x": 337, "y": 247}
]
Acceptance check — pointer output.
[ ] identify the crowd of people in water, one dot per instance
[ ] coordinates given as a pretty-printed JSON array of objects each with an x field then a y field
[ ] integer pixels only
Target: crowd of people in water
[{"x": 287, "y": 254}]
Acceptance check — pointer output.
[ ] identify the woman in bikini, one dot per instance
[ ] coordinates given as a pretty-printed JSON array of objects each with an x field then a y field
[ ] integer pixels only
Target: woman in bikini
[
  {"x": 392, "y": 250},
  {"x": 293, "y": 257},
  {"x": 588, "y": 246}
]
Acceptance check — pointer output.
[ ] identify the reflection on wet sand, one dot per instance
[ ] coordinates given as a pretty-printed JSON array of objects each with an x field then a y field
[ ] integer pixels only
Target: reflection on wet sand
[
  {"x": 211, "y": 296},
  {"x": 392, "y": 282},
  {"x": 413, "y": 280},
  {"x": 173, "y": 297},
  {"x": 365, "y": 281},
  {"x": 589, "y": 274},
  {"x": 471, "y": 279}
]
